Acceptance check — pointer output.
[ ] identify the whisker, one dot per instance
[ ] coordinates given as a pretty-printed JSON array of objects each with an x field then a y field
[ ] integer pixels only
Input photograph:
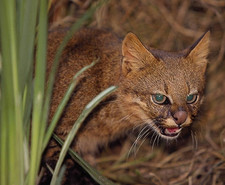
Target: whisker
[
  {"x": 152, "y": 136},
  {"x": 194, "y": 141},
  {"x": 140, "y": 124},
  {"x": 144, "y": 139},
  {"x": 133, "y": 148},
  {"x": 153, "y": 144},
  {"x": 139, "y": 127},
  {"x": 158, "y": 139},
  {"x": 146, "y": 127},
  {"x": 126, "y": 117}
]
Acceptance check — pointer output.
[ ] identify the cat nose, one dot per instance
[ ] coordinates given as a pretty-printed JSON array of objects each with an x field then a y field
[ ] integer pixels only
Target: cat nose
[{"x": 180, "y": 117}]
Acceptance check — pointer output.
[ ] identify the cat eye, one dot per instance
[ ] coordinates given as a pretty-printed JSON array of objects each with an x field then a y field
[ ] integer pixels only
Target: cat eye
[
  {"x": 159, "y": 98},
  {"x": 191, "y": 98}
]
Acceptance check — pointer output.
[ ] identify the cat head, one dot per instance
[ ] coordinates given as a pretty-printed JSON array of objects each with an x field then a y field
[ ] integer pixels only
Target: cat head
[{"x": 163, "y": 89}]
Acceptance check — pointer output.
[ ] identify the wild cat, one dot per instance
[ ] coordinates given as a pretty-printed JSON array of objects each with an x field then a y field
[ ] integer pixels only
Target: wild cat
[{"x": 159, "y": 90}]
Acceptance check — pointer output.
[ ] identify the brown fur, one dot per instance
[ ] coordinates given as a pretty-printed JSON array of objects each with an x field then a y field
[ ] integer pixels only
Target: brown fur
[{"x": 139, "y": 73}]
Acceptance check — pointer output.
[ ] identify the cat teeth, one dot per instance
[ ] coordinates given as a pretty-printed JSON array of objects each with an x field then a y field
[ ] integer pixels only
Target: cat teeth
[{"x": 172, "y": 131}]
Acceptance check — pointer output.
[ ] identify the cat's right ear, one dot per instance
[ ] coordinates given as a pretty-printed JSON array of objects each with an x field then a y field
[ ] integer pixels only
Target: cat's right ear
[
  {"x": 135, "y": 55},
  {"x": 199, "y": 51}
]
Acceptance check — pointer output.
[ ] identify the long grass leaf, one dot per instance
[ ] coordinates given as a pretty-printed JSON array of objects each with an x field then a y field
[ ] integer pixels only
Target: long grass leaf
[
  {"x": 11, "y": 101},
  {"x": 88, "y": 108},
  {"x": 26, "y": 36},
  {"x": 61, "y": 174},
  {"x": 88, "y": 168},
  {"x": 63, "y": 103},
  {"x": 27, "y": 106},
  {"x": 38, "y": 126}
]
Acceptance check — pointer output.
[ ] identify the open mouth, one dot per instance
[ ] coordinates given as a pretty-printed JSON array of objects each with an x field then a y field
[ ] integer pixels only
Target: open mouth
[{"x": 170, "y": 132}]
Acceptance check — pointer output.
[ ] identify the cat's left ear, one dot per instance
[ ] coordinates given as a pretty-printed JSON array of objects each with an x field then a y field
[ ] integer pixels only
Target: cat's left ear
[
  {"x": 199, "y": 51},
  {"x": 135, "y": 55}
]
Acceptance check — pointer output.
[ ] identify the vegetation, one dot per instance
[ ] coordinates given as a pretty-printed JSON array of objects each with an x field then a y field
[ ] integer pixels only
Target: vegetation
[{"x": 24, "y": 102}]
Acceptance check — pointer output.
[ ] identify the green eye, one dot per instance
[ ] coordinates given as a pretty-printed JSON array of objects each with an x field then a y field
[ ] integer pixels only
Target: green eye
[
  {"x": 191, "y": 98},
  {"x": 159, "y": 98}
]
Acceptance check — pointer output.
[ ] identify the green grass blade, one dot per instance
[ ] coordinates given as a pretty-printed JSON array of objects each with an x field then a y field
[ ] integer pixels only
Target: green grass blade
[
  {"x": 61, "y": 174},
  {"x": 63, "y": 103},
  {"x": 12, "y": 170},
  {"x": 27, "y": 106},
  {"x": 38, "y": 126},
  {"x": 27, "y": 11},
  {"x": 26, "y": 36},
  {"x": 88, "y": 168},
  {"x": 88, "y": 108}
]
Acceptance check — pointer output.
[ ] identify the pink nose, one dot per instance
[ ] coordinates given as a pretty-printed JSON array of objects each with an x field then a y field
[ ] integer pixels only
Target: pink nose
[{"x": 180, "y": 117}]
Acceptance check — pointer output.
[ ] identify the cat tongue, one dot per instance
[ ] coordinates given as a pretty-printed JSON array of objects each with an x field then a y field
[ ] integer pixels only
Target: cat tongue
[{"x": 172, "y": 130}]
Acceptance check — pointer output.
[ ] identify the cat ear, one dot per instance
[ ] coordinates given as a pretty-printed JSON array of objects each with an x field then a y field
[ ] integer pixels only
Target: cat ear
[
  {"x": 135, "y": 55},
  {"x": 198, "y": 52}
]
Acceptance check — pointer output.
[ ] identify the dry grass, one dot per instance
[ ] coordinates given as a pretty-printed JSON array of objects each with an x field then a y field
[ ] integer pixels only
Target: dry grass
[{"x": 168, "y": 25}]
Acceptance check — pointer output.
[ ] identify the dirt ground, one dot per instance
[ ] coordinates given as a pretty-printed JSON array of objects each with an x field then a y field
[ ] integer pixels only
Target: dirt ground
[{"x": 170, "y": 25}]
